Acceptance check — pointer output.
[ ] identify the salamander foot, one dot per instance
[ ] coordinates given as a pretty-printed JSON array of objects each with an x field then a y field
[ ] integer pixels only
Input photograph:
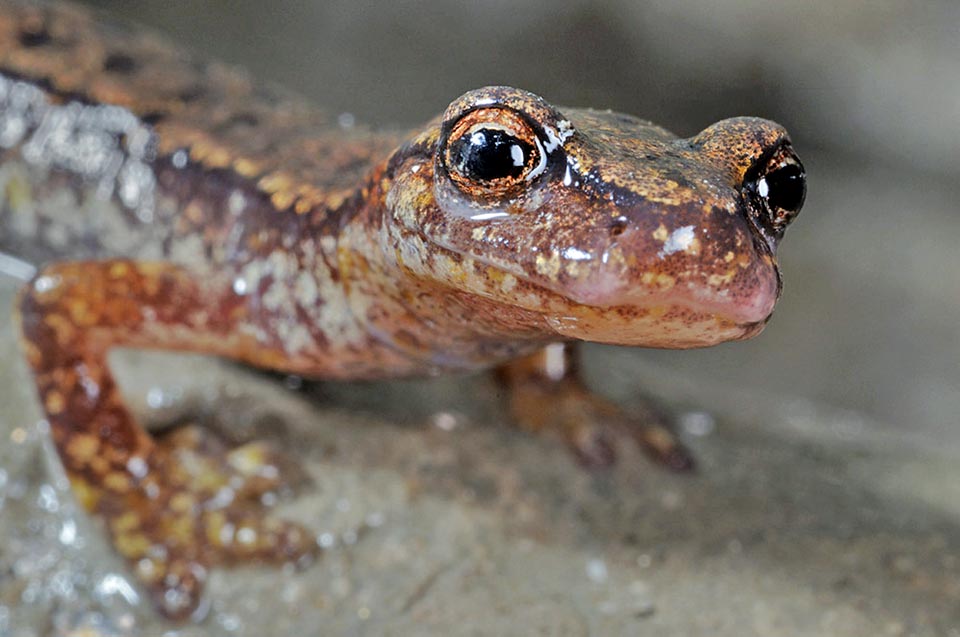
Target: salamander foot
[
  {"x": 194, "y": 504},
  {"x": 546, "y": 394}
]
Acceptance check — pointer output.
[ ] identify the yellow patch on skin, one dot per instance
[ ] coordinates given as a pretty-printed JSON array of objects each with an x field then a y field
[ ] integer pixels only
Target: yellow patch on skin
[
  {"x": 213, "y": 528},
  {"x": 302, "y": 207},
  {"x": 495, "y": 275},
  {"x": 116, "y": 481},
  {"x": 80, "y": 314},
  {"x": 182, "y": 502},
  {"x": 658, "y": 279},
  {"x": 509, "y": 282},
  {"x": 83, "y": 447},
  {"x": 282, "y": 199},
  {"x": 84, "y": 493},
  {"x": 218, "y": 158},
  {"x": 246, "y": 167},
  {"x": 275, "y": 182},
  {"x": 119, "y": 270},
  {"x": 451, "y": 269},
  {"x": 180, "y": 531},
  {"x": 99, "y": 465},
  {"x": 54, "y": 403},
  {"x": 728, "y": 257},
  {"x": 548, "y": 266},
  {"x": 661, "y": 233},
  {"x": 718, "y": 280},
  {"x": 194, "y": 213},
  {"x": 32, "y": 353},
  {"x": 124, "y": 523},
  {"x": 131, "y": 545},
  {"x": 198, "y": 151},
  {"x": 333, "y": 200},
  {"x": 63, "y": 329}
]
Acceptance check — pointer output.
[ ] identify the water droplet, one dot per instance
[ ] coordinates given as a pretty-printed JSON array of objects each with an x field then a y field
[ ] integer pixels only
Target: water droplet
[
  {"x": 68, "y": 532},
  {"x": 47, "y": 499},
  {"x": 698, "y": 423},
  {"x": 597, "y": 571},
  {"x": 445, "y": 421},
  {"x": 326, "y": 540}
]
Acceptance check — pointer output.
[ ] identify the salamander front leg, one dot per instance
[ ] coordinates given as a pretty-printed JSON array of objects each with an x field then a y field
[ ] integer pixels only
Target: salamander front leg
[
  {"x": 547, "y": 394},
  {"x": 175, "y": 509}
]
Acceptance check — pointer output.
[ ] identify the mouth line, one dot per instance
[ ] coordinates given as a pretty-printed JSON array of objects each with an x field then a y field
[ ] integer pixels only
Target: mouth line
[{"x": 567, "y": 295}]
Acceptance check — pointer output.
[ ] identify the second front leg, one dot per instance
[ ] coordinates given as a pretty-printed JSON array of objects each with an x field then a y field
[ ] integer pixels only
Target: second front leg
[
  {"x": 546, "y": 393},
  {"x": 176, "y": 508}
]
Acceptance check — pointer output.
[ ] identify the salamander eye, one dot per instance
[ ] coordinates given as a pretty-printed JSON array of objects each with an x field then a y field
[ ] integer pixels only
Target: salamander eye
[
  {"x": 492, "y": 153},
  {"x": 487, "y": 154},
  {"x": 781, "y": 186}
]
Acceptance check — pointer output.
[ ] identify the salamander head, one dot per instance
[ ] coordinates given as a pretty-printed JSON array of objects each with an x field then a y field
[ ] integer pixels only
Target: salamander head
[{"x": 610, "y": 227}]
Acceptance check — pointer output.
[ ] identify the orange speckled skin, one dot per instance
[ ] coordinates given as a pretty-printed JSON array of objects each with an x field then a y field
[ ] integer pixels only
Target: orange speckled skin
[{"x": 176, "y": 205}]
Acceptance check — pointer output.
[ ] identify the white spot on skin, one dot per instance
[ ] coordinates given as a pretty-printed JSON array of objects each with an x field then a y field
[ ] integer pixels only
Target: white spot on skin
[
  {"x": 415, "y": 169},
  {"x": 567, "y": 178},
  {"x": 246, "y": 535},
  {"x": 576, "y": 254},
  {"x": 179, "y": 159},
  {"x": 346, "y": 120},
  {"x": 556, "y": 138},
  {"x": 46, "y": 283},
  {"x": 236, "y": 202},
  {"x": 137, "y": 467},
  {"x": 305, "y": 289},
  {"x": 239, "y": 286},
  {"x": 678, "y": 241}
]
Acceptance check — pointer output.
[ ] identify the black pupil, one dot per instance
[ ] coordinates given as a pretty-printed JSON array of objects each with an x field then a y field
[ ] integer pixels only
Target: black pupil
[
  {"x": 489, "y": 154},
  {"x": 787, "y": 187}
]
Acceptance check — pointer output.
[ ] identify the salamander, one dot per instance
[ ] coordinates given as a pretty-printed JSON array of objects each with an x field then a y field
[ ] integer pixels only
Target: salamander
[{"x": 173, "y": 203}]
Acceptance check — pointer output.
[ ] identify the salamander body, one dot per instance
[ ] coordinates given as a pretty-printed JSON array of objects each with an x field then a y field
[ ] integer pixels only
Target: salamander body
[{"x": 175, "y": 204}]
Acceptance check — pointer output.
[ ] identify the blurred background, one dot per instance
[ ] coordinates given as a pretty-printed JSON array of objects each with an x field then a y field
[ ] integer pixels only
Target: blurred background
[
  {"x": 868, "y": 90},
  {"x": 828, "y": 501}
]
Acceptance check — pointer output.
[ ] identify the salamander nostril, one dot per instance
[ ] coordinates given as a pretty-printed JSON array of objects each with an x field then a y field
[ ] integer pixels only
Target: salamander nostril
[{"x": 618, "y": 227}]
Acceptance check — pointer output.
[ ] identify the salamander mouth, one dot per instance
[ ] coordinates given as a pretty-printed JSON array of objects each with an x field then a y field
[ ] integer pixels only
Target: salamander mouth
[{"x": 736, "y": 319}]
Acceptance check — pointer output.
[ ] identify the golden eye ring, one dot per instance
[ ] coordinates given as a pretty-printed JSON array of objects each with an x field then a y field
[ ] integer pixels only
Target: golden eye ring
[{"x": 492, "y": 153}]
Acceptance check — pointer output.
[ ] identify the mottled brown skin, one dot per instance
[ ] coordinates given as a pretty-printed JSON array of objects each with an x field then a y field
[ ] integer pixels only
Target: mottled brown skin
[{"x": 253, "y": 228}]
